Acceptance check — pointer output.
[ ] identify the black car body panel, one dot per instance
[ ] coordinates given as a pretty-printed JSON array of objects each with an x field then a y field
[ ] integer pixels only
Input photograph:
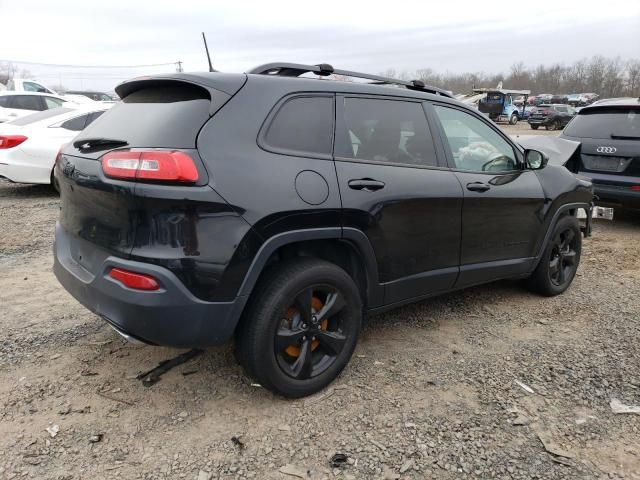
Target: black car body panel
[
  {"x": 407, "y": 231},
  {"x": 609, "y": 134}
]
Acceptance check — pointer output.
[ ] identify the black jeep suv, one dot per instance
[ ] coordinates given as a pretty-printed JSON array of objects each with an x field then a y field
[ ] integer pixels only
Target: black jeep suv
[
  {"x": 609, "y": 133},
  {"x": 282, "y": 210}
]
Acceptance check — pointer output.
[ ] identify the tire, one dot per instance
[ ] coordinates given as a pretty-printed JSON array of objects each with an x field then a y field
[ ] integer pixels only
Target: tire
[
  {"x": 54, "y": 183},
  {"x": 291, "y": 353},
  {"x": 560, "y": 259},
  {"x": 535, "y": 127},
  {"x": 552, "y": 126},
  {"x": 513, "y": 119}
]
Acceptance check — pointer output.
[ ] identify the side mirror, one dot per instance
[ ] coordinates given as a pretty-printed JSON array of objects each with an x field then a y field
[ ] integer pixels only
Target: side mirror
[{"x": 535, "y": 160}]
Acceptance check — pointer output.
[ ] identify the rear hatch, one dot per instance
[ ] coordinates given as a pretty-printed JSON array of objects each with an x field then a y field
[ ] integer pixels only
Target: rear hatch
[
  {"x": 541, "y": 113},
  {"x": 155, "y": 115},
  {"x": 610, "y": 138}
]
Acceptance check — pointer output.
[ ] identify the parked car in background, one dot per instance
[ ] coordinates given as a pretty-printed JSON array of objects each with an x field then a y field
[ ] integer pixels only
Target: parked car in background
[
  {"x": 80, "y": 99},
  {"x": 543, "y": 98},
  {"x": 609, "y": 132},
  {"x": 552, "y": 117},
  {"x": 22, "y": 85},
  {"x": 559, "y": 99},
  {"x": 175, "y": 230},
  {"x": 97, "y": 96},
  {"x": 29, "y": 145},
  {"x": 18, "y": 104}
]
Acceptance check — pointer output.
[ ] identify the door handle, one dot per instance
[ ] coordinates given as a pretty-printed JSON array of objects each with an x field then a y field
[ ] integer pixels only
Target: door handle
[
  {"x": 366, "y": 184},
  {"x": 478, "y": 187}
]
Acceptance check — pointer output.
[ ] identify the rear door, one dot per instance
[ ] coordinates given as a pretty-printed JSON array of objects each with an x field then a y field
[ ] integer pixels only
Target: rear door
[
  {"x": 395, "y": 190},
  {"x": 502, "y": 210}
]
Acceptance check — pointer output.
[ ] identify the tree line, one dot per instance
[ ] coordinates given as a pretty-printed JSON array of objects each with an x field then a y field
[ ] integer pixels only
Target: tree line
[{"x": 608, "y": 77}]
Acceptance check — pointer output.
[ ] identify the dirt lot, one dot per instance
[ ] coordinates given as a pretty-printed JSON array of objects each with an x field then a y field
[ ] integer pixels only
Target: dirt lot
[{"x": 432, "y": 391}]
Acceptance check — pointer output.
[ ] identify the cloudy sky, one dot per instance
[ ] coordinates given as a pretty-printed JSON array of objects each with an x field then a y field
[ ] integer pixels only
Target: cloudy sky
[{"x": 451, "y": 35}]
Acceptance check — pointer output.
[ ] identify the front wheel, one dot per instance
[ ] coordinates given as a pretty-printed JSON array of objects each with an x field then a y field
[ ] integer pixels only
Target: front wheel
[
  {"x": 560, "y": 260},
  {"x": 552, "y": 126},
  {"x": 513, "y": 119},
  {"x": 301, "y": 327},
  {"x": 535, "y": 127}
]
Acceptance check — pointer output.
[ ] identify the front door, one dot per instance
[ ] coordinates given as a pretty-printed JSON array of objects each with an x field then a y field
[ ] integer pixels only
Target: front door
[
  {"x": 503, "y": 204},
  {"x": 394, "y": 189}
]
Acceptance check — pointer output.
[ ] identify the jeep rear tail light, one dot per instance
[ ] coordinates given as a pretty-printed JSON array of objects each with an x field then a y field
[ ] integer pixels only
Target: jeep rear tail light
[
  {"x": 635, "y": 188},
  {"x": 10, "y": 141},
  {"x": 136, "y": 281},
  {"x": 160, "y": 165}
]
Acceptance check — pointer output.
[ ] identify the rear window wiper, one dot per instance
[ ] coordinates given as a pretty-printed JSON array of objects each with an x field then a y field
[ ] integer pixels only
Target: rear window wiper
[
  {"x": 625, "y": 137},
  {"x": 98, "y": 143}
]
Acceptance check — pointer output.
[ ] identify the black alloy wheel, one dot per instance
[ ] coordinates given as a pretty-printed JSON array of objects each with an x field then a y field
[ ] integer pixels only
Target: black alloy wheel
[
  {"x": 300, "y": 327},
  {"x": 311, "y": 334},
  {"x": 562, "y": 264},
  {"x": 559, "y": 262}
]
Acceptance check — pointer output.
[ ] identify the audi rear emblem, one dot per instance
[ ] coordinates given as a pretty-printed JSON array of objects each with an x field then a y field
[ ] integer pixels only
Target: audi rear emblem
[{"x": 606, "y": 149}]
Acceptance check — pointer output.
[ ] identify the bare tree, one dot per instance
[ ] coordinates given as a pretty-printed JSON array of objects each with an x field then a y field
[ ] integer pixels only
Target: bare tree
[{"x": 9, "y": 71}]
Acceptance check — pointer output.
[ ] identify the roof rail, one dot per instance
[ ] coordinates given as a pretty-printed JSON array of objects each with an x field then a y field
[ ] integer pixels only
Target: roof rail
[{"x": 324, "y": 70}]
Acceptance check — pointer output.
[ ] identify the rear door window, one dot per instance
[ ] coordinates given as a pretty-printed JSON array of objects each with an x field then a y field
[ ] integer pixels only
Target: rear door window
[
  {"x": 611, "y": 123},
  {"x": 28, "y": 102},
  {"x": 4, "y": 101},
  {"x": 162, "y": 115},
  {"x": 386, "y": 131},
  {"x": 302, "y": 125}
]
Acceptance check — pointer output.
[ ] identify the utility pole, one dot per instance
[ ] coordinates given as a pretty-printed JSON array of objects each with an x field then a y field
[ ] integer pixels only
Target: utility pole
[{"x": 179, "y": 66}]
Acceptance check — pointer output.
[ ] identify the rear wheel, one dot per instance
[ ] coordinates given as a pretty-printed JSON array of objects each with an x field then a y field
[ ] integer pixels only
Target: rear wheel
[
  {"x": 301, "y": 327},
  {"x": 560, "y": 260}
]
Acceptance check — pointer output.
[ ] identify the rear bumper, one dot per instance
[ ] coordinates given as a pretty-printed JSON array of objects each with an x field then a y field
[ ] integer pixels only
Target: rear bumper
[
  {"x": 617, "y": 195},
  {"x": 171, "y": 316},
  {"x": 539, "y": 121}
]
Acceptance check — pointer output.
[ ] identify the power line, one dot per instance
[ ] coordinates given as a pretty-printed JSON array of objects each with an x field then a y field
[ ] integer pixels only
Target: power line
[{"x": 89, "y": 66}]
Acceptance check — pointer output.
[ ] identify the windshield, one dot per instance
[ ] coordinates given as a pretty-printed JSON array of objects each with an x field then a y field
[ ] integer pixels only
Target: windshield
[
  {"x": 36, "y": 117},
  {"x": 606, "y": 123}
]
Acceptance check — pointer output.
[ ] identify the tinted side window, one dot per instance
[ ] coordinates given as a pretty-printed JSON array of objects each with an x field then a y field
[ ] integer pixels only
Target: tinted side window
[
  {"x": 27, "y": 102},
  {"x": 4, "y": 101},
  {"x": 474, "y": 144},
  {"x": 303, "y": 124},
  {"x": 390, "y": 131},
  {"x": 75, "y": 124},
  {"x": 92, "y": 117}
]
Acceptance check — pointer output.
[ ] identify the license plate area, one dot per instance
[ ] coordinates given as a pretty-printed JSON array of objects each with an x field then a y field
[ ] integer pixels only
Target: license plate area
[
  {"x": 604, "y": 213},
  {"x": 605, "y": 164}
]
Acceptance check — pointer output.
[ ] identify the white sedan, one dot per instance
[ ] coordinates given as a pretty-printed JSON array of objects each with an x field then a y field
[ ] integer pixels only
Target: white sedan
[
  {"x": 18, "y": 104},
  {"x": 29, "y": 145}
]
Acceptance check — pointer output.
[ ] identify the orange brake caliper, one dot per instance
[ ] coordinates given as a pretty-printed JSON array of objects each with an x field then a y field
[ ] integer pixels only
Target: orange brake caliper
[{"x": 316, "y": 304}]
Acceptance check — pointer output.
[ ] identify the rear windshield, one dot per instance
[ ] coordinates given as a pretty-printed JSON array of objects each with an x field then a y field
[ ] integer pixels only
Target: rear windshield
[
  {"x": 167, "y": 115},
  {"x": 37, "y": 117},
  {"x": 606, "y": 123}
]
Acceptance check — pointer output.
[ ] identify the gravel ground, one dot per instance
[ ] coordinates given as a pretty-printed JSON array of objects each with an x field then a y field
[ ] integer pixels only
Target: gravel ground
[{"x": 431, "y": 392}]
